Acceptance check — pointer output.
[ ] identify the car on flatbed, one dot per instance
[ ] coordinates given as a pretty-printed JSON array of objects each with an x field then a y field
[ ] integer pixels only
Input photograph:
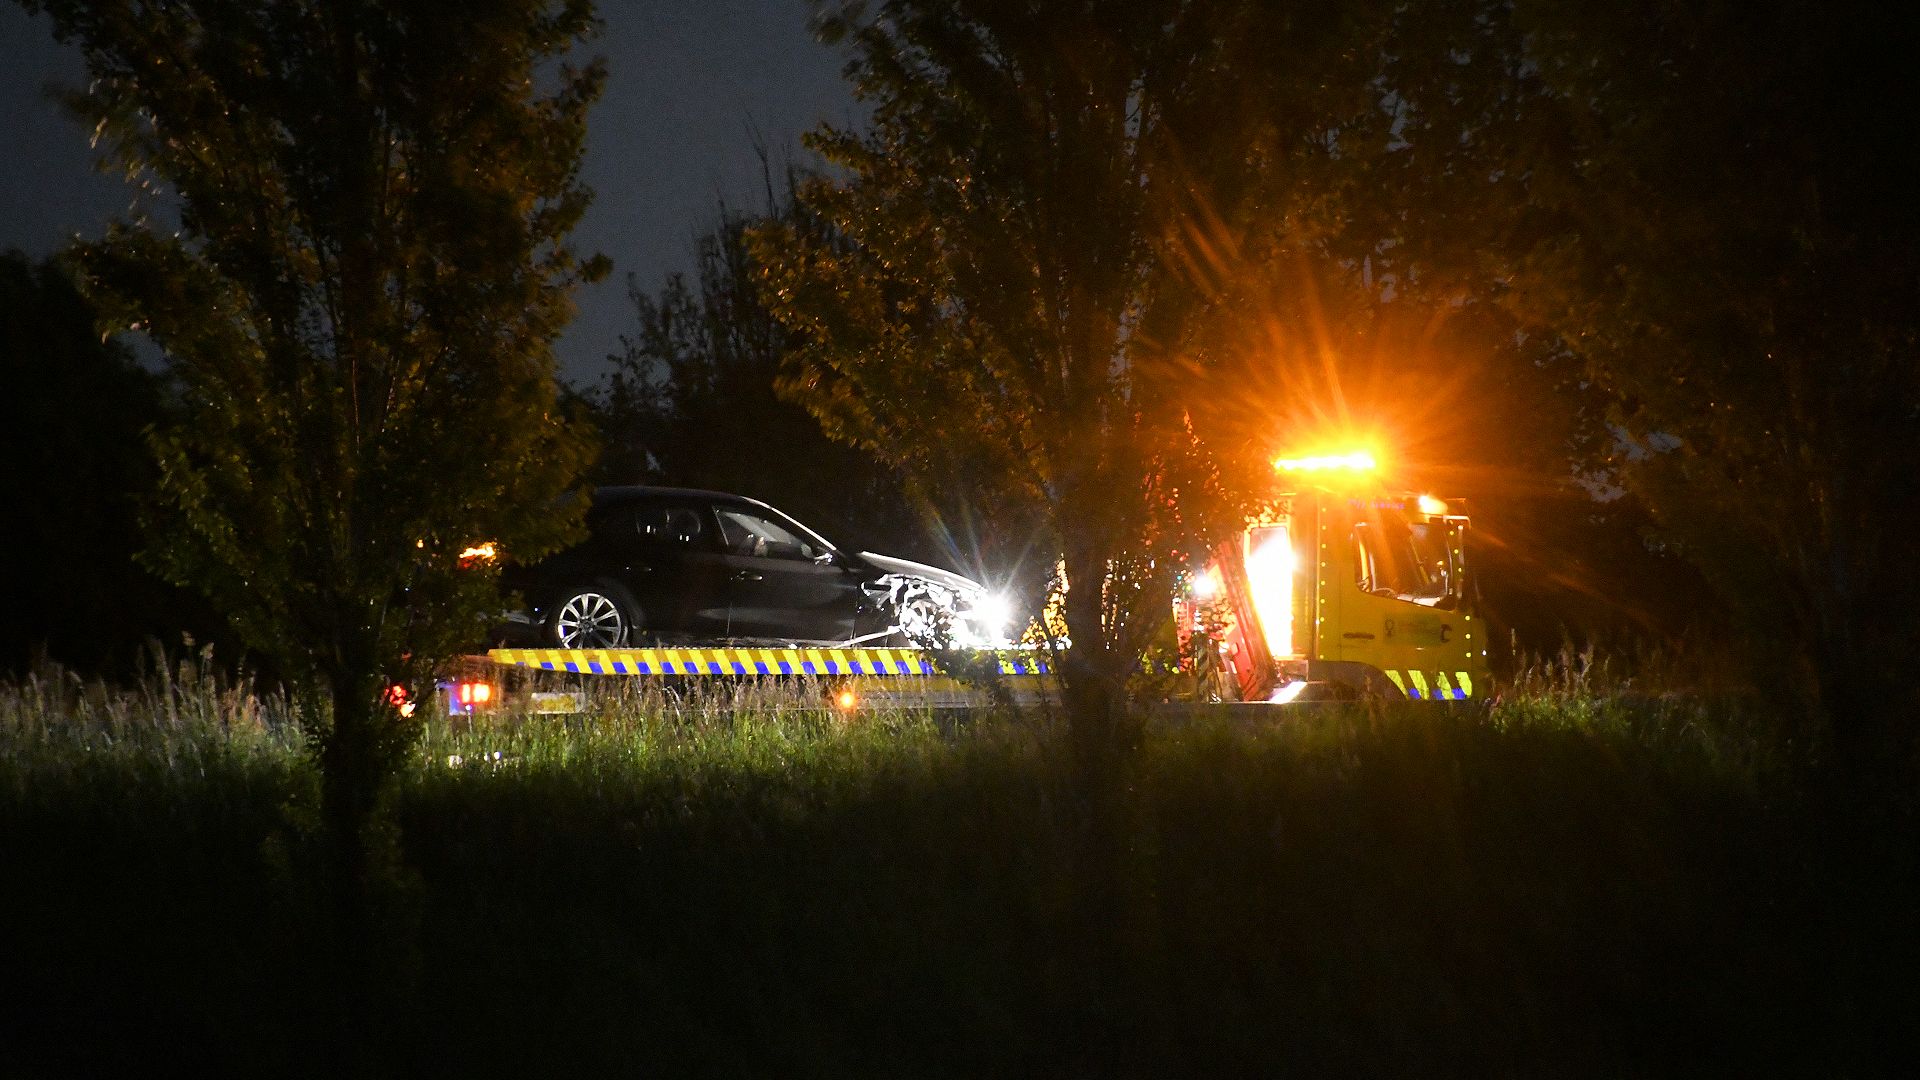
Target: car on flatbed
[{"x": 678, "y": 566}]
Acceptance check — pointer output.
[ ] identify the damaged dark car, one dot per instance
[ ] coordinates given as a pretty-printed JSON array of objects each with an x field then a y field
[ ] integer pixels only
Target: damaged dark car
[{"x": 673, "y": 566}]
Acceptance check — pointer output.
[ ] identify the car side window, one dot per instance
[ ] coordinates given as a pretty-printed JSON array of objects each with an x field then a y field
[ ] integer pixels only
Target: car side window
[
  {"x": 670, "y": 527},
  {"x": 750, "y": 534},
  {"x": 610, "y": 526}
]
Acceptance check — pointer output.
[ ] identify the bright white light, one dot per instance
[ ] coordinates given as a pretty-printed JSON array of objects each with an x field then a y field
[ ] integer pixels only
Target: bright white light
[
  {"x": 1288, "y": 692},
  {"x": 1432, "y": 506},
  {"x": 1206, "y": 584},
  {"x": 993, "y": 611},
  {"x": 984, "y": 622},
  {"x": 1270, "y": 568}
]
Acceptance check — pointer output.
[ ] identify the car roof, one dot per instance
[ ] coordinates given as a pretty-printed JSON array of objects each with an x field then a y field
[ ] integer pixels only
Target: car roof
[
  {"x": 629, "y": 494},
  {"x": 626, "y": 493}
]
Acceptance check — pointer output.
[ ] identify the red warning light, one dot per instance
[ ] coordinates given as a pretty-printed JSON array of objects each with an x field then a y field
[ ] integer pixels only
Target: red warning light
[{"x": 401, "y": 701}]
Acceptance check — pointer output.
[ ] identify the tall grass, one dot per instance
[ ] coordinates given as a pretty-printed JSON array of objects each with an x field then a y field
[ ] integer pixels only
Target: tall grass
[
  {"x": 183, "y": 739},
  {"x": 1654, "y": 699},
  {"x": 733, "y": 880}
]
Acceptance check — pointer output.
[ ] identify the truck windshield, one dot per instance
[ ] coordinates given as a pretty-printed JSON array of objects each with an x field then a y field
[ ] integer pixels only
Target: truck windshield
[{"x": 1409, "y": 560}]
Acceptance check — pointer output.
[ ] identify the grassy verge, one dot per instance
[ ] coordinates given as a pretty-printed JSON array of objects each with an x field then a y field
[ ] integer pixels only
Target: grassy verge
[{"x": 1574, "y": 883}]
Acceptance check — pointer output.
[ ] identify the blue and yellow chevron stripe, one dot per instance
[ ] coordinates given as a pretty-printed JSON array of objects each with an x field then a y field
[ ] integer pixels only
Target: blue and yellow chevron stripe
[
  {"x": 1434, "y": 686},
  {"x": 729, "y": 661}
]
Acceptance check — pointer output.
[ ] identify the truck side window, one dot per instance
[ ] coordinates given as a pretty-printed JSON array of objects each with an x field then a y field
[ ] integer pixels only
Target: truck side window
[
  {"x": 1430, "y": 563},
  {"x": 1375, "y": 569}
]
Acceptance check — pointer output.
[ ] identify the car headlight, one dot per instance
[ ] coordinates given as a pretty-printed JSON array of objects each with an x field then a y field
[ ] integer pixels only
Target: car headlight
[{"x": 991, "y": 613}]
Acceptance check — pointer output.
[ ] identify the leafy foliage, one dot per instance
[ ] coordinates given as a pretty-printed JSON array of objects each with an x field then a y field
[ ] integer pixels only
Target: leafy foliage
[
  {"x": 1711, "y": 217},
  {"x": 77, "y": 467},
  {"x": 1362, "y": 285},
  {"x": 356, "y": 309}
]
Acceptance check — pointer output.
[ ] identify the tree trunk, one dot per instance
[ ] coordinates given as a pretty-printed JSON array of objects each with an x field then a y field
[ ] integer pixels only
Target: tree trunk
[
  {"x": 1870, "y": 715},
  {"x": 1112, "y": 856},
  {"x": 351, "y": 779},
  {"x": 373, "y": 921},
  {"x": 1093, "y": 670}
]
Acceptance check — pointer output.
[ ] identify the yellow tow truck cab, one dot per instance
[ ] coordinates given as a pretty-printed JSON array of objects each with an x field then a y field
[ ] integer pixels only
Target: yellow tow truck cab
[{"x": 1342, "y": 588}]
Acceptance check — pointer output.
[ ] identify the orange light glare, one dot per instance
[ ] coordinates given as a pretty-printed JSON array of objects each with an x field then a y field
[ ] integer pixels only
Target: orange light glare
[
  {"x": 1354, "y": 461},
  {"x": 474, "y": 693},
  {"x": 846, "y": 700},
  {"x": 482, "y": 552},
  {"x": 1432, "y": 506}
]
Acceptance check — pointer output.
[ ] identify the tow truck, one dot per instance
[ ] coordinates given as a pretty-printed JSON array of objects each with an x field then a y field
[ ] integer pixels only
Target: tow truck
[{"x": 1342, "y": 587}]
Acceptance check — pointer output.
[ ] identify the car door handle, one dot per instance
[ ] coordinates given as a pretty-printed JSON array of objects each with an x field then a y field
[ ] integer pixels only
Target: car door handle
[{"x": 747, "y": 575}]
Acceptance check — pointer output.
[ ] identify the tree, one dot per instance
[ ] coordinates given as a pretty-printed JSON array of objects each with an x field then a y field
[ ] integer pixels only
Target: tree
[
  {"x": 1715, "y": 220},
  {"x": 693, "y": 402},
  {"x": 77, "y": 468},
  {"x": 1028, "y": 246},
  {"x": 357, "y": 312},
  {"x": 1406, "y": 294}
]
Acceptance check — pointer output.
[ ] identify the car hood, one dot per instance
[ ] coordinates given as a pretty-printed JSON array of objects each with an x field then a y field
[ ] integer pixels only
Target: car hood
[{"x": 890, "y": 565}]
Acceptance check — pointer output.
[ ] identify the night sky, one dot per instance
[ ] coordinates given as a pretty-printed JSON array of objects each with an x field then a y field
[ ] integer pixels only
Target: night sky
[{"x": 691, "y": 84}]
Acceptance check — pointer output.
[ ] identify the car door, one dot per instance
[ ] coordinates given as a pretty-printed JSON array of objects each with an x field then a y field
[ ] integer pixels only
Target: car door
[
  {"x": 782, "y": 583},
  {"x": 667, "y": 554}
]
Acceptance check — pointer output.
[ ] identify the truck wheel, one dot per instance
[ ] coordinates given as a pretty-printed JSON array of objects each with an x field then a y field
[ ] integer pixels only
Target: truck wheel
[{"x": 593, "y": 617}]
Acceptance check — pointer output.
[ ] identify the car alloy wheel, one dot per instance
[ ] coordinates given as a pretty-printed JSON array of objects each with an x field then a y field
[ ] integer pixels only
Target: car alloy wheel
[{"x": 590, "y": 620}]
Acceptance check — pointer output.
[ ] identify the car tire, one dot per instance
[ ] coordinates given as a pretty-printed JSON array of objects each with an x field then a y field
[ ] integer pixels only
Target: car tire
[{"x": 598, "y": 615}]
